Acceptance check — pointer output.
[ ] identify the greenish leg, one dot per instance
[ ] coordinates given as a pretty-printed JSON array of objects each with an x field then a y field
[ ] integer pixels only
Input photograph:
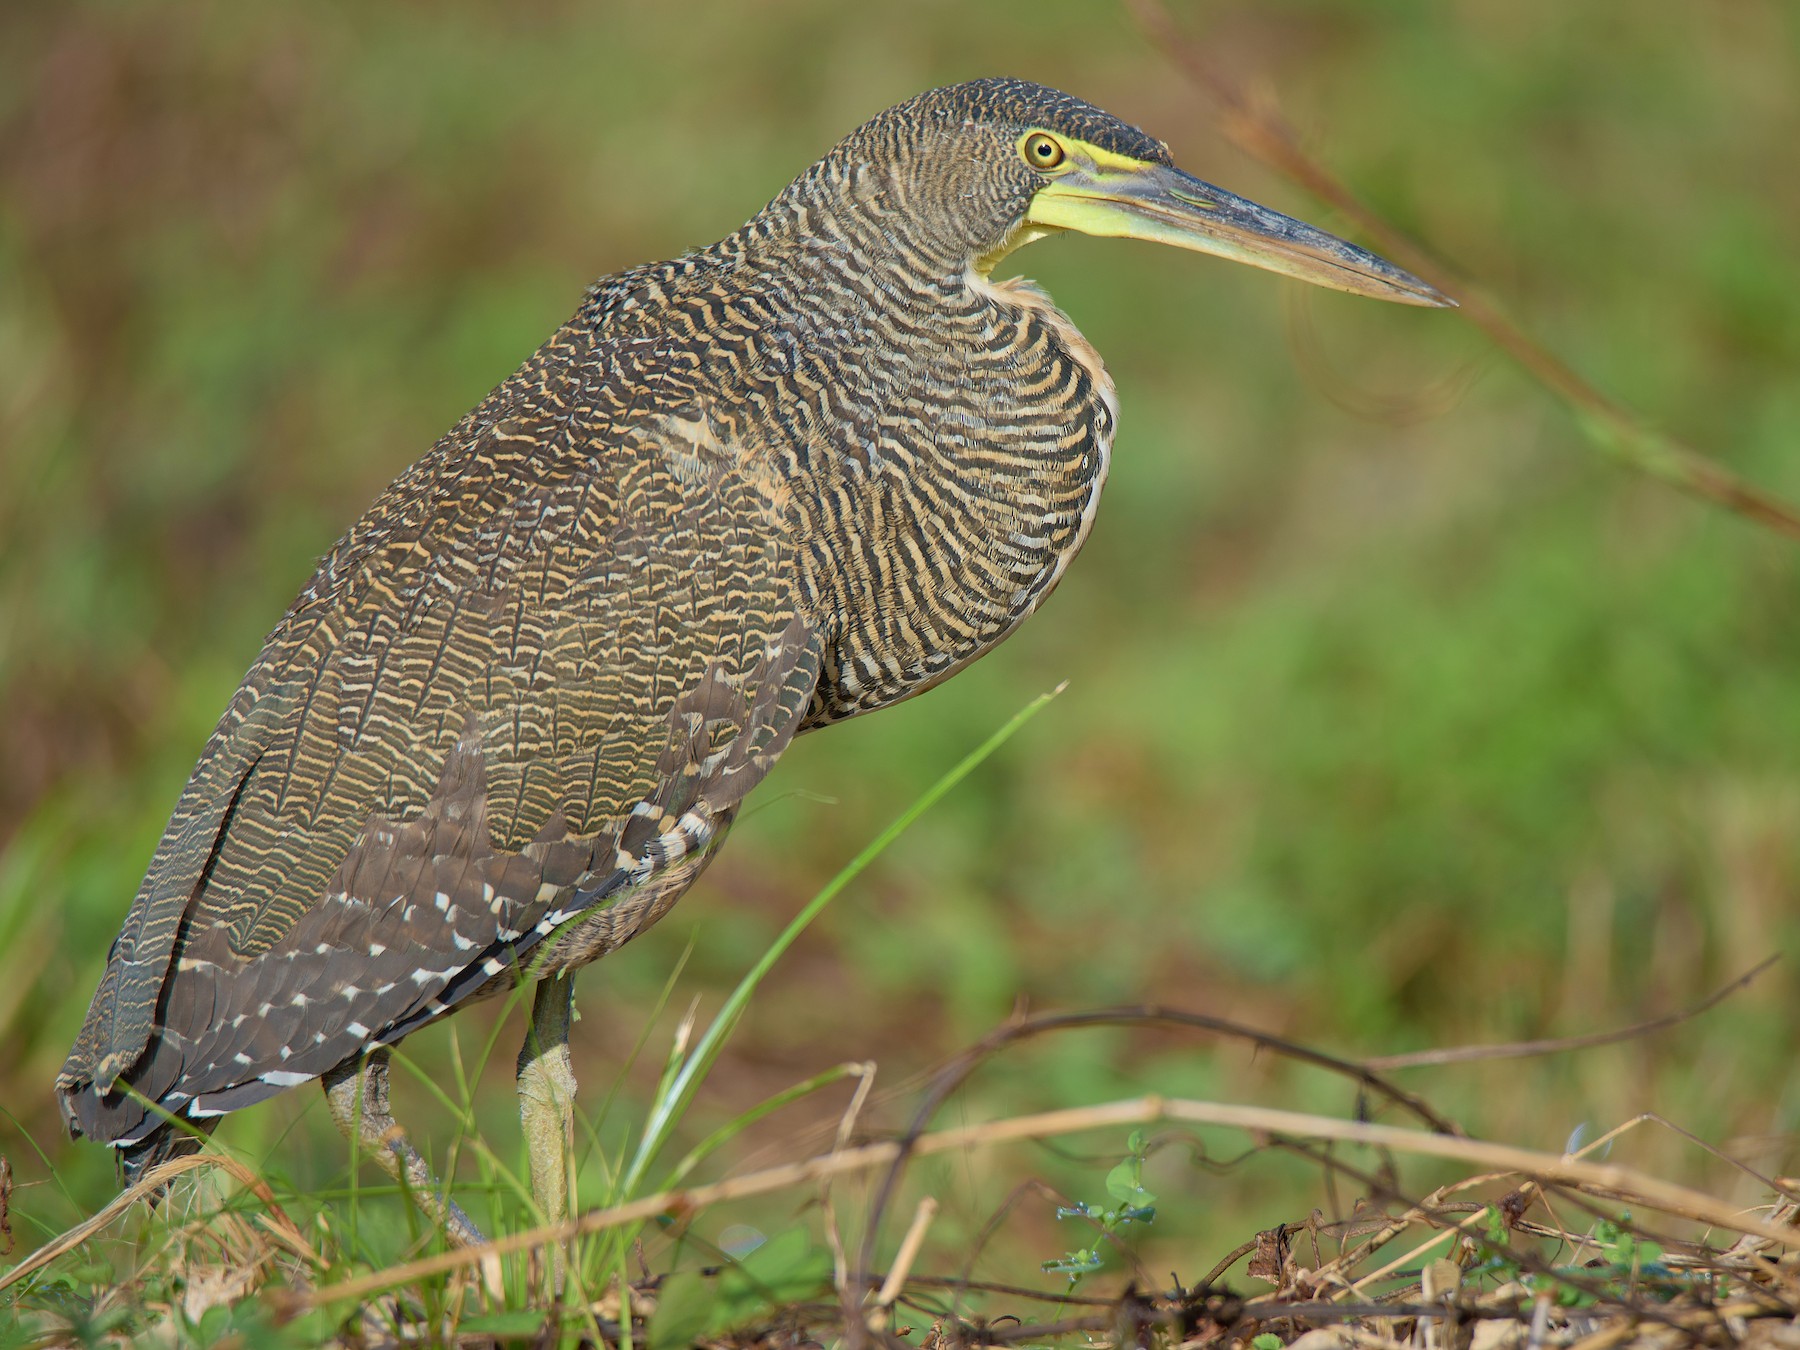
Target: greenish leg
[
  {"x": 357, "y": 1091},
  {"x": 547, "y": 1094}
]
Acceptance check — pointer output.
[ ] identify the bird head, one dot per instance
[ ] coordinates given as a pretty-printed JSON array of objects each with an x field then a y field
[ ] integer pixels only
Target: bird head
[{"x": 960, "y": 177}]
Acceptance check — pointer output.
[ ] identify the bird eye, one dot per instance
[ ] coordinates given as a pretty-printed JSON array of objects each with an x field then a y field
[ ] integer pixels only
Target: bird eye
[{"x": 1041, "y": 151}]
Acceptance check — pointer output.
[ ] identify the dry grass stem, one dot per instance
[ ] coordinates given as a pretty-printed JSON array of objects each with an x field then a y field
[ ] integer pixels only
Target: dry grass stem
[
  {"x": 151, "y": 1184},
  {"x": 904, "y": 1258},
  {"x": 1255, "y": 124},
  {"x": 1609, "y": 1180},
  {"x": 1559, "y": 1045}
]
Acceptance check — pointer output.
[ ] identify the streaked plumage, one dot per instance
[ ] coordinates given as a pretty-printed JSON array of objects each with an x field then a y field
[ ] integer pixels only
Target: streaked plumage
[{"x": 793, "y": 477}]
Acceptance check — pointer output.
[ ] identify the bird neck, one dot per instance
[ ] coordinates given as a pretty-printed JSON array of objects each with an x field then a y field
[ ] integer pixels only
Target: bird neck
[
  {"x": 945, "y": 438},
  {"x": 975, "y": 476}
]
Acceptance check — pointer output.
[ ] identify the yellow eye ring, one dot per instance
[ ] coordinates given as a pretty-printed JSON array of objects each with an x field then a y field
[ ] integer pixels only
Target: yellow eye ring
[{"x": 1041, "y": 150}]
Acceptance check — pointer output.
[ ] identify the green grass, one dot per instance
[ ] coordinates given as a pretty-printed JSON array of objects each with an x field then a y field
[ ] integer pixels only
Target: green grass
[{"x": 1381, "y": 731}]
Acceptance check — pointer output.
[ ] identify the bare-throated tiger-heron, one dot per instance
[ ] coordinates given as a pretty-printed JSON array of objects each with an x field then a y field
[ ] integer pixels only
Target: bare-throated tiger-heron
[{"x": 798, "y": 475}]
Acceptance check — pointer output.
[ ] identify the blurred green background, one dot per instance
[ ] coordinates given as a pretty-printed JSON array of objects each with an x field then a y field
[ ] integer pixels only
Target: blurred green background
[{"x": 1396, "y": 715}]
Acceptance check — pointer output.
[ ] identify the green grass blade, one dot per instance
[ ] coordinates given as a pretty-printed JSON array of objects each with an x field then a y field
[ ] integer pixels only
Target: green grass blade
[
  {"x": 732, "y": 1128},
  {"x": 670, "y": 1103}
]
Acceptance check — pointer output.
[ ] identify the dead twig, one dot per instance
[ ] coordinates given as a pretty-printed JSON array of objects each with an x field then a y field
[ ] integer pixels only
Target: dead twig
[
  {"x": 1256, "y": 126},
  {"x": 6, "y": 1187},
  {"x": 1466, "y": 1054}
]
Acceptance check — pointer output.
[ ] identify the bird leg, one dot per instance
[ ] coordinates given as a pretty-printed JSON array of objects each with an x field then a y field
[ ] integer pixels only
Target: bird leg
[
  {"x": 357, "y": 1091},
  {"x": 547, "y": 1094}
]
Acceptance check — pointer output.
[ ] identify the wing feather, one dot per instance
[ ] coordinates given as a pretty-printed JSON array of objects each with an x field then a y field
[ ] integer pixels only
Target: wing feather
[{"x": 542, "y": 671}]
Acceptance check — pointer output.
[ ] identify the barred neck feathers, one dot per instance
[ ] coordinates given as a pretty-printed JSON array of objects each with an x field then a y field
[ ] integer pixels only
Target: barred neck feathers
[
  {"x": 945, "y": 441},
  {"x": 956, "y": 463}
]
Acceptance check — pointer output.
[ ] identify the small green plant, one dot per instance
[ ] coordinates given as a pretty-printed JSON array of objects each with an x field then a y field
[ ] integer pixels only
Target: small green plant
[
  {"x": 1624, "y": 1264},
  {"x": 1621, "y": 1264},
  {"x": 1125, "y": 1184},
  {"x": 1626, "y": 1251},
  {"x": 1498, "y": 1259}
]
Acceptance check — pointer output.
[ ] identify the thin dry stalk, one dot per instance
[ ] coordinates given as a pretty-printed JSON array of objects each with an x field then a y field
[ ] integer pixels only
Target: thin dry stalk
[
  {"x": 1468, "y": 1054},
  {"x": 1256, "y": 126},
  {"x": 904, "y": 1258},
  {"x": 846, "y": 1130}
]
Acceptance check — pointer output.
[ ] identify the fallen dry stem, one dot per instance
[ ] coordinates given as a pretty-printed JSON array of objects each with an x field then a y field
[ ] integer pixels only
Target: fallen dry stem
[{"x": 1640, "y": 1188}]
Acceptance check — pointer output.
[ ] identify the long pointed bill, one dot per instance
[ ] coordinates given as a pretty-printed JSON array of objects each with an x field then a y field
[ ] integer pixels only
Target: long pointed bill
[{"x": 1135, "y": 200}]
